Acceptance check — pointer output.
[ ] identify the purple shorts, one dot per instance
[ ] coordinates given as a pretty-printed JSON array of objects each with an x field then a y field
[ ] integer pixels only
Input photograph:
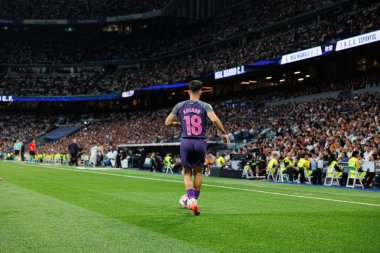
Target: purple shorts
[{"x": 193, "y": 152}]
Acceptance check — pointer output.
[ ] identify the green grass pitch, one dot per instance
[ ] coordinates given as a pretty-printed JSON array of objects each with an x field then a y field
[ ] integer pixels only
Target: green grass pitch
[{"x": 63, "y": 209}]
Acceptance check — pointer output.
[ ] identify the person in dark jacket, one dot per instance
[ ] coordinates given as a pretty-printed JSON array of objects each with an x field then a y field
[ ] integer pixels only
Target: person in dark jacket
[{"x": 73, "y": 150}]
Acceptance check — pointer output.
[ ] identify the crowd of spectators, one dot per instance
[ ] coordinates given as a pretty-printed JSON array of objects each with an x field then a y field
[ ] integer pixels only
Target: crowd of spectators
[
  {"x": 339, "y": 124},
  {"x": 74, "y": 48},
  {"x": 94, "y": 82},
  {"x": 325, "y": 126},
  {"x": 84, "y": 9},
  {"x": 94, "y": 47},
  {"x": 74, "y": 9},
  {"x": 27, "y": 127},
  {"x": 177, "y": 68},
  {"x": 332, "y": 125},
  {"x": 116, "y": 129}
]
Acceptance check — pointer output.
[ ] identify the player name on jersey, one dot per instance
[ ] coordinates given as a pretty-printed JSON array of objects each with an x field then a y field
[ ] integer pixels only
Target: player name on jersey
[{"x": 191, "y": 110}]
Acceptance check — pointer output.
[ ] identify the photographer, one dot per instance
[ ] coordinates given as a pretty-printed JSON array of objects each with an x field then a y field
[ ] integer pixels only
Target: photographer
[
  {"x": 261, "y": 163},
  {"x": 150, "y": 162}
]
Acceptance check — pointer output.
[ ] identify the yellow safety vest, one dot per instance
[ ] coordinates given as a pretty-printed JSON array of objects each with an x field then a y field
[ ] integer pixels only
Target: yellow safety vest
[
  {"x": 220, "y": 161},
  {"x": 333, "y": 163},
  {"x": 289, "y": 161},
  {"x": 303, "y": 163},
  {"x": 354, "y": 162},
  {"x": 167, "y": 161},
  {"x": 273, "y": 163}
]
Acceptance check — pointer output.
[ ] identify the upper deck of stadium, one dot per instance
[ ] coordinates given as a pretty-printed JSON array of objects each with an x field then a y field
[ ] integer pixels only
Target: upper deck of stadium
[{"x": 36, "y": 59}]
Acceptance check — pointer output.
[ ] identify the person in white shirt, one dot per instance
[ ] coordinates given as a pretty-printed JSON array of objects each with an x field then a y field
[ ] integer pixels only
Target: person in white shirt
[
  {"x": 227, "y": 159},
  {"x": 368, "y": 153},
  {"x": 93, "y": 156},
  {"x": 111, "y": 155},
  {"x": 310, "y": 146}
]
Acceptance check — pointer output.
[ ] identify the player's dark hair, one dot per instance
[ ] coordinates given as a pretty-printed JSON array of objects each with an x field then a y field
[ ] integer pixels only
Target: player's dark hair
[{"x": 195, "y": 85}]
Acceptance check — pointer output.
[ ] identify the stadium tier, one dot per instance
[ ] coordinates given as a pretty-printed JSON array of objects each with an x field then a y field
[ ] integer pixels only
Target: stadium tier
[
  {"x": 82, "y": 9},
  {"x": 76, "y": 48},
  {"x": 312, "y": 124},
  {"x": 173, "y": 63}
]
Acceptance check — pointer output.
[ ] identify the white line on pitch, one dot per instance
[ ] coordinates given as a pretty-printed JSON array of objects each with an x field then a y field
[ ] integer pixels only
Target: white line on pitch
[{"x": 210, "y": 185}]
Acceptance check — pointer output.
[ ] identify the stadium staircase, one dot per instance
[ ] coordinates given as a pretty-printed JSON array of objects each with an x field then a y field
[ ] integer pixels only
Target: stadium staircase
[{"x": 60, "y": 132}]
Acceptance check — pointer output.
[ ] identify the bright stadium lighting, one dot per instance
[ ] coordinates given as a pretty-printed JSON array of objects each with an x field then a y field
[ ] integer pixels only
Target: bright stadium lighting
[
  {"x": 300, "y": 79},
  {"x": 297, "y": 72},
  {"x": 268, "y": 77},
  {"x": 307, "y": 76},
  {"x": 282, "y": 80},
  {"x": 253, "y": 81}
]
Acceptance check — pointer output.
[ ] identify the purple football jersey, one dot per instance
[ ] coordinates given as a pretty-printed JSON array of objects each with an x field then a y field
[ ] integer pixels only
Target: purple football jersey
[{"x": 193, "y": 115}]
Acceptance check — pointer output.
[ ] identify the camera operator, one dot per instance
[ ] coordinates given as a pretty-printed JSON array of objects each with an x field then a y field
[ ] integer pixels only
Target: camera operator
[
  {"x": 159, "y": 162},
  {"x": 261, "y": 163}
]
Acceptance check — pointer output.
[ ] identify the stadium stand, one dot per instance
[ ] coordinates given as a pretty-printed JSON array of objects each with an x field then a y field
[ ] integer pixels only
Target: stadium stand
[
  {"x": 82, "y": 9},
  {"x": 170, "y": 70},
  {"x": 348, "y": 122},
  {"x": 340, "y": 124},
  {"x": 28, "y": 127},
  {"x": 61, "y": 132}
]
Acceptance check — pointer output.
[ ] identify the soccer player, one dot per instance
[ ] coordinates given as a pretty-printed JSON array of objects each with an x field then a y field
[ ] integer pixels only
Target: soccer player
[{"x": 193, "y": 114}]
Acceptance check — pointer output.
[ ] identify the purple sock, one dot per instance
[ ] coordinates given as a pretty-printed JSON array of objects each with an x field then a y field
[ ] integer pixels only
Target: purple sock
[
  {"x": 196, "y": 194},
  {"x": 190, "y": 193}
]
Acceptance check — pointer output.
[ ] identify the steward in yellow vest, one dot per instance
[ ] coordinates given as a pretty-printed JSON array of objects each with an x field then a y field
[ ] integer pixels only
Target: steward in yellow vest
[
  {"x": 220, "y": 161},
  {"x": 168, "y": 161},
  {"x": 273, "y": 164},
  {"x": 304, "y": 167},
  {"x": 288, "y": 164},
  {"x": 353, "y": 163}
]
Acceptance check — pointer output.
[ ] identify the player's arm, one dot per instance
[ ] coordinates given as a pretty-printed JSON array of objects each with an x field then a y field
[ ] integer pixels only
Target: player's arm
[
  {"x": 170, "y": 120},
  {"x": 219, "y": 125}
]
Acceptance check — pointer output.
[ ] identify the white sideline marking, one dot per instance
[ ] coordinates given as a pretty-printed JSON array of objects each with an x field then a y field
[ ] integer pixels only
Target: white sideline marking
[
  {"x": 210, "y": 185},
  {"x": 97, "y": 168}
]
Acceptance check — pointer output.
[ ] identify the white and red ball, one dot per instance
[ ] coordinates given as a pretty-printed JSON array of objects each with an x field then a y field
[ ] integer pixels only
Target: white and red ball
[{"x": 183, "y": 201}]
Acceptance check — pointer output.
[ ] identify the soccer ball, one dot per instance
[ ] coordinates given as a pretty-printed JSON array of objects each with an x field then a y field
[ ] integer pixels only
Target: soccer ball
[{"x": 183, "y": 201}]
